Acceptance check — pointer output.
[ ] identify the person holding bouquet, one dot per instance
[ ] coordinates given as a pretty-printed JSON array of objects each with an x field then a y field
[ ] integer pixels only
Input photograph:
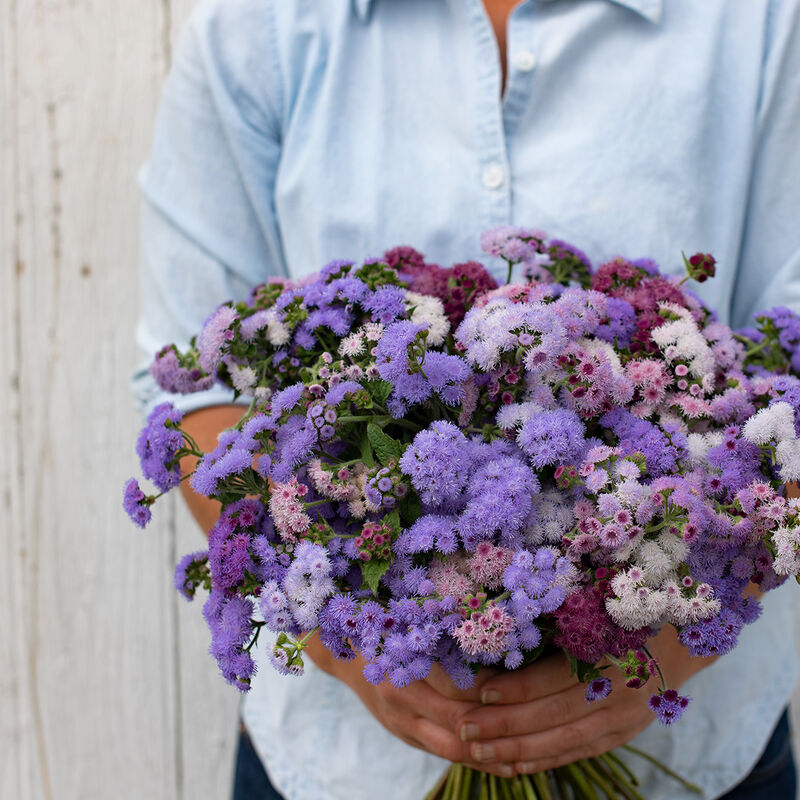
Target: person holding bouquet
[{"x": 293, "y": 133}]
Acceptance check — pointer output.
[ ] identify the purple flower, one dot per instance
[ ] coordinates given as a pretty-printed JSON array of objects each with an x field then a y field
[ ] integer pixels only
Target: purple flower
[
  {"x": 386, "y": 304},
  {"x": 713, "y": 637},
  {"x": 188, "y": 573},
  {"x": 225, "y": 460},
  {"x": 597, "y": 689},
  {"x": 215, "y": 334},
  {"x": 172, "y": 376},
  {"x": 552, "y": 437},
  {"x": 620, "y": 324},
  {"x": 136, "y": 503},
  {"x": 500, "y": 503},
  {"x": 158, "y": 447},
  {"x": 391, "y": 353},
  {"x": 668, "y": 706},
  {"x": 436, "y": 465}
]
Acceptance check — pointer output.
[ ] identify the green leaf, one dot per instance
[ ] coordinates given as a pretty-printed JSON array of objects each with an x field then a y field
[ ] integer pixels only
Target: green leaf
[
  {"x": 379, "y": 391},
  {"x": 366, "y": 452},
  {"x": 411, "y": 508},
  {"x": 393, "y": 521},
  {"x": 386, "y": 448},
  {"x": 372, "y": 572}
]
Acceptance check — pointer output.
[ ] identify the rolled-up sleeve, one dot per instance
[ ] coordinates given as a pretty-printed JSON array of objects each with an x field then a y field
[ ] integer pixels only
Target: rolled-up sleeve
[
  {"x": 208, "y": 223},
  {"x": 769, "y": 270}
]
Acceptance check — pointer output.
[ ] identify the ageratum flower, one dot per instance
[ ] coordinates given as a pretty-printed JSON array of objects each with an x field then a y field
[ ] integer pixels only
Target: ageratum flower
[{"x": 435, "y": 469}]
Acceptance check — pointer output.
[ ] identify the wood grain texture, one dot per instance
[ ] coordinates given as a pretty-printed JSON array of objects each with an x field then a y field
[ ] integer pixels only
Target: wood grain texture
[
  {"x": 92, "y": 655},
  {"x": 106, "y": 689}
]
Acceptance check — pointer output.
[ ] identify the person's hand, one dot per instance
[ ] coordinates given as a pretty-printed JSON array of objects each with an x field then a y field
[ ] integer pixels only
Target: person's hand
[
  {"x": 537, "y": 718},
  {"x": 420, "y": 714}
]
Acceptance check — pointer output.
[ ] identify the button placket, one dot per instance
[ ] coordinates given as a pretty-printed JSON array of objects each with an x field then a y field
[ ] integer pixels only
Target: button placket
[
  {"x": 493, "y": 176},
  {"x": 523, "y": 61},
  {"x": 495, "y": 207}
]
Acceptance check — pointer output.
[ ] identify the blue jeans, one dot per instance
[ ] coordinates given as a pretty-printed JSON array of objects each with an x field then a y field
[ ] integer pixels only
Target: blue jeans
[{"x": 772, "y": 778}]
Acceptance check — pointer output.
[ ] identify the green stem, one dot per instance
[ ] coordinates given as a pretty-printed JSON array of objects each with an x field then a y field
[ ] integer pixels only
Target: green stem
[
  {"x": 448, "y": 788},
  {"x": 458, "y": 771},
  {"x": 542, "y": 784},
  {"x": 658, "y": 668},
  {"x": 318, "y": 503},
  {"x": 613, "y": 757},
  {"x": 304, "y": 641},
  {"x": 595, "y": 776},
  {"x": 468, "y": 775},
  {"x": 517, "y": 791},
  {"x": 530, "y": 793},
  {"x": 616, "y": 778},
  {"x": 484, "y": 795},
  {"x": 433, "y": 794},
  {"x": 688, "y": 784},
  {"x": 581, "y": 783},
  {"x": 253, "y": 641}
]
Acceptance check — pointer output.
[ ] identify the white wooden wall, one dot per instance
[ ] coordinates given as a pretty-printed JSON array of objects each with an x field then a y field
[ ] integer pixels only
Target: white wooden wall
[{"x": 105, "y": 689}]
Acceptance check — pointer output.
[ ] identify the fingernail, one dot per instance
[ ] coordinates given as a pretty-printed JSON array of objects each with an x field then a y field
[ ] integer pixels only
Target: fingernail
[
  {"x": 526, "y": 767},
  {"x": 469, "y": 731},
  {"x": 490, "y": 696},
  {"x": 505, "y": 771},
  {"x": 483, "y": 752}
]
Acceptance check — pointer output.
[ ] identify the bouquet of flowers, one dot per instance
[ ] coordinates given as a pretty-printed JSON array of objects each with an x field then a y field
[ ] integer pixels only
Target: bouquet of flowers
[{"x": 437, "y": 469}]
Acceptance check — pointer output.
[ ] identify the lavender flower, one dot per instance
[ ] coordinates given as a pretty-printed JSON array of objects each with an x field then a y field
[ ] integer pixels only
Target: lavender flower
[
  {"x": 159, "y": 447},
  {"x": 136, "y": 503}
]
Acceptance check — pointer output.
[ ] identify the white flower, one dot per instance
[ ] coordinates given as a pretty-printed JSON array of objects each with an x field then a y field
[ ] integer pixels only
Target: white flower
[
  {"x": 654, "y": 561},
  {"x": 699, "y": 444},
  {"x": 243, "y": 378},
  {"x": 429, "y": 311},
  {"x": 774, "y": 423},
  {"x": 514, "y": 414},
  {"x": 787, "y": 454},
  {"x": 680, "y": 339},
  {"x": 352, "y": 345}
]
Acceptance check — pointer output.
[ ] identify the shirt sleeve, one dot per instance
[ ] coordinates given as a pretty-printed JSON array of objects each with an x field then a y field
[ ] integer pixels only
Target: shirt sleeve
[
  {"x": 769, "y": 270},
  {"x": 208, "y": 224}
]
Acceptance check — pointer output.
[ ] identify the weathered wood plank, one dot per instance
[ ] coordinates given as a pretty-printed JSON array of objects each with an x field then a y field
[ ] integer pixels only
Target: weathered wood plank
[
  {"x": 209, "y": 707},
  {"x": 98, "y": 667},
  {"x": 15, "y": 723}
]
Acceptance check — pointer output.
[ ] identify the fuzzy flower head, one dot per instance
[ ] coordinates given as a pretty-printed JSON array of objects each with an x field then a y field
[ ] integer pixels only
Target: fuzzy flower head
[
  {"x": 485, "y": 633},
  {"x": 288, "y": 510},
  {"x": 176, "y": 373},
  {"x": 136, "y": 503},
  {"x": 159, "y": 446},
  {"x": 216, "y": 333}
]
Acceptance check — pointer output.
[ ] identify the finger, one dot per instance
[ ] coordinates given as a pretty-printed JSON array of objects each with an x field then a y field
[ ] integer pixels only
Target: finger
[
  {"x": 548, "y": 676},
  {"x": 423, "y": 700},
  {"x": 546, "y": 745},
  {"x": 443, "y": 683},
  {"x": 499, "y": 721},
  {"x": 602, "y": 745},
  {"x": 444, "y": 744}
]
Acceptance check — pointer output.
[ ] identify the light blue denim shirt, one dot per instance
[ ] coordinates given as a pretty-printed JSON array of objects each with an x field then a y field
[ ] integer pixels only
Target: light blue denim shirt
[{"x": 292, "y": 132}]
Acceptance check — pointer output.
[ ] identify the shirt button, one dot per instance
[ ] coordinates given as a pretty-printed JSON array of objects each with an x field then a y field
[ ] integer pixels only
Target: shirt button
[
  {"x": 493, "y": 176},
  {"x": 524, "y": 60}
]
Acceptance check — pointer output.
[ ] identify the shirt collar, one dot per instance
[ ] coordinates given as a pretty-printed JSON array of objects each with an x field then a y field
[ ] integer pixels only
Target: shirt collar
[{"x": 649, "y": 9}]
